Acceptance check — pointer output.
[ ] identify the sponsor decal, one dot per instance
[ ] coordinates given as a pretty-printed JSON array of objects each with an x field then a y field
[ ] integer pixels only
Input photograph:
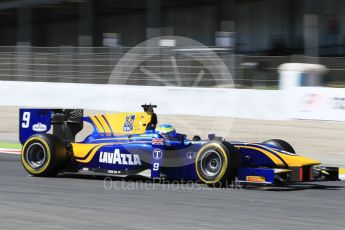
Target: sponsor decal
[
  {"x": 317, "y": 101},
  {"x": 190, "y": 155},
  {"x": 128, "y": 125},
  {"x": 341, "y": 173},
  {"x": 119, "y": 158},
  {"x": 255, "y": 178},
  {"x": 114, "y": 172},
  {"x": 157, "y": 154},
  {"x": 158, "y": 141},
  {"x": 39, "y": 127},
  {"x": 339, "y": 103},
  {"x": 311, "y": 101}
]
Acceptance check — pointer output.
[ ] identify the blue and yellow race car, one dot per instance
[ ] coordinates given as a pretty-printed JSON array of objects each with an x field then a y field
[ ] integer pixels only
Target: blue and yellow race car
[{"x": 132, "y": 143}]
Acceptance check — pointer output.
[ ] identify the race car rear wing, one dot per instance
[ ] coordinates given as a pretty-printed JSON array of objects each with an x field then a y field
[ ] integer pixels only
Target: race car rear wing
[{"x": 65, "y": 123}]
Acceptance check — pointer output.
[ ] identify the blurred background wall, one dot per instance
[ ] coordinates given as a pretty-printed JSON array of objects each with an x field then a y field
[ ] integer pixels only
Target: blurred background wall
[
  {"x": 264, "y": 33},
  {"x": 262, "y": 26}
]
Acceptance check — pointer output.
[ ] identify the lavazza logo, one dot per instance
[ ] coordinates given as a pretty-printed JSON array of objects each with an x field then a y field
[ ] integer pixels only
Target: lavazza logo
[{"x": 119, "y": 158}]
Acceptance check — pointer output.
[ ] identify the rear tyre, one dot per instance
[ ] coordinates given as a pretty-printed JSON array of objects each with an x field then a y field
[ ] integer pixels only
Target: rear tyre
[
  {"x": 43, "y": 155},
  {"x": 216, "y": 164},
  {"x": 280, "y": 144}
]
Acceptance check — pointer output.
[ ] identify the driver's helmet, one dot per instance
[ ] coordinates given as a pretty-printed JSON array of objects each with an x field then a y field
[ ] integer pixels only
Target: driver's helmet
[{"x": 166, "y": 130}]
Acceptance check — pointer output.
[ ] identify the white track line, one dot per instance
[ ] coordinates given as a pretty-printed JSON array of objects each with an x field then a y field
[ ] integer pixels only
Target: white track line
[{"x": 10, "y": 151}]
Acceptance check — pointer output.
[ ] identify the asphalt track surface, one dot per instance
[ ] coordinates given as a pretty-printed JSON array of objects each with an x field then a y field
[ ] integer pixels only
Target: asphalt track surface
[{"x": 82, "y": 202}]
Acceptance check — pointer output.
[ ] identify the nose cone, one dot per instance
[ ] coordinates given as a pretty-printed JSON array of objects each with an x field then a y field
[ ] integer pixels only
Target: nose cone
[{"x": 298, "y": 161}]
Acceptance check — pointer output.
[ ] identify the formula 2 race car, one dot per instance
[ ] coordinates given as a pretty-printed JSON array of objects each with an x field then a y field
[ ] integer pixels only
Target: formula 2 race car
[{"x": 127, "y": 144}]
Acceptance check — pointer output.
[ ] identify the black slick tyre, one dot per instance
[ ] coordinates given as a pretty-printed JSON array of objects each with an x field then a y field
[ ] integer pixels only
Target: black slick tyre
[
  {"x": 43, "y": 155},
  {"x": 216, "y": 163}
]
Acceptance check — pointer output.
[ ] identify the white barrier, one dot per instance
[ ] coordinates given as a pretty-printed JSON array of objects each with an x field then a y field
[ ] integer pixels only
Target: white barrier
[
  {"x": 244, "y": 103},
  {"x": 318, "y": 103}
]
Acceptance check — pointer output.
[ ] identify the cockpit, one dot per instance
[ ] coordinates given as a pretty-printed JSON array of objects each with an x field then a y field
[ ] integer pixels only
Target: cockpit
[{"x": 169, "y": 132}]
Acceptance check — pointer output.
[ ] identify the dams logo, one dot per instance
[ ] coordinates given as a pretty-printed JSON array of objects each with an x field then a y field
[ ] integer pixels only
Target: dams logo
[{"x": 129, "y": 122}]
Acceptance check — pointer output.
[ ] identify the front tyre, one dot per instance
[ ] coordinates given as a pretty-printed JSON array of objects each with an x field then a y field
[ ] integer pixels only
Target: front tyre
[
  {"x": 216, "y": 164},
  {"x": 43, "y": 155}
]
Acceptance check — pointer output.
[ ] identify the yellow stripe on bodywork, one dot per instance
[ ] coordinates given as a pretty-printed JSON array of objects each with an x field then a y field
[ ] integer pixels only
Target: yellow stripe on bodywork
[
  {"x": 273, "y": 157},
  {"x": 117, "y": 121},
  {"x": 80, "y": 150},
  {"x": 92, "y": 154},
  {"x": 97, "y": 124},
  {"x": 341, "y": 170},
  {"x": 296, "y": 160},
  {"x": 114, "y": 123},
  {"x": 104, "y": 124},
  {"x": 290, "y": 160}
]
